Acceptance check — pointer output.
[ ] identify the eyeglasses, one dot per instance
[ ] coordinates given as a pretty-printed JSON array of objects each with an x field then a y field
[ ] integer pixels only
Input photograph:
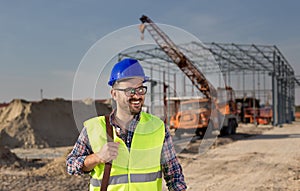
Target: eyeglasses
[{"x": 142, "y": 90}]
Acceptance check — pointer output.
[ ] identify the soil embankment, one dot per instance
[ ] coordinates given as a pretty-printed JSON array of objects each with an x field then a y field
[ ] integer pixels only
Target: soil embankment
[{"x": 48, "y": 123}]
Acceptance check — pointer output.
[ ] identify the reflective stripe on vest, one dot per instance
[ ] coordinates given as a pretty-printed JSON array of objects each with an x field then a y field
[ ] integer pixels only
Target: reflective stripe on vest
[{"x": 122, "y": 179}]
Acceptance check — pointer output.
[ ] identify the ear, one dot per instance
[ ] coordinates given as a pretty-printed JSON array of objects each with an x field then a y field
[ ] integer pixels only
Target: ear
[{"x": 113, "y": 94}]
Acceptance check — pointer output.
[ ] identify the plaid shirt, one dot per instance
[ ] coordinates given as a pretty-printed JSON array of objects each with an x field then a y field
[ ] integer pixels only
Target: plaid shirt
[{"x": 170, "y": 166}]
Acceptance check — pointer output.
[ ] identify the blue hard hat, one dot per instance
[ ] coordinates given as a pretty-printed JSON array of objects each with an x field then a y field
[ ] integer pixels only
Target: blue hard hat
[{"x": 126, "y": 68}]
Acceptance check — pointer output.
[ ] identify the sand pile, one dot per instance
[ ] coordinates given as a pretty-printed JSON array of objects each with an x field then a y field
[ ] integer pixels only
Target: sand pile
[
  {"x": 56, "y": 168},
  {"x": 48, "y": 123}
]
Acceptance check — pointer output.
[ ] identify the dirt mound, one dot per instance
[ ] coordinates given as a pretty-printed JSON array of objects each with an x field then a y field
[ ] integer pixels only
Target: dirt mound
[
  {"x": 56, "y": 168},
  {"x": 7, "y": 158},
  {"x": 48, "y": 123}
]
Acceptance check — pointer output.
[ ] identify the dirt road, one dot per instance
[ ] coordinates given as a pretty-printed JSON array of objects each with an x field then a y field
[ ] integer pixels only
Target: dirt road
[
  {"x": 270, "y": 161},
  {"x": 256, "y": 158}
]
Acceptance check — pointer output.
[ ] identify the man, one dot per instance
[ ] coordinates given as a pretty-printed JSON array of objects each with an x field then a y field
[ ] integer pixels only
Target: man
[{"x": 142, "y": 148}]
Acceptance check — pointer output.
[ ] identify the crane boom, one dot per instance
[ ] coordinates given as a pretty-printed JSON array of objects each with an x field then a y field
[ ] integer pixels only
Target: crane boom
[{"x": 186, "y": 66}]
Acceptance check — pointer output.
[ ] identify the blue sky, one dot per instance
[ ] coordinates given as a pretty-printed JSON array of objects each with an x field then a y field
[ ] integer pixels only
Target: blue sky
[{"x": 42, "y": 42}]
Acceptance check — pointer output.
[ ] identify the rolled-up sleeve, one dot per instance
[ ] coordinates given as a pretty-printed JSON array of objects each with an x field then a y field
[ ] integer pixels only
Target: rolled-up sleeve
[
  {"x": 171, "y": 167},
  {"x": 80, "y": 151}
]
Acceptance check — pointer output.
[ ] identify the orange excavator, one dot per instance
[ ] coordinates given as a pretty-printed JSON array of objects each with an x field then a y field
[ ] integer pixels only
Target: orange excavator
[{"x": 196, "y": 116}]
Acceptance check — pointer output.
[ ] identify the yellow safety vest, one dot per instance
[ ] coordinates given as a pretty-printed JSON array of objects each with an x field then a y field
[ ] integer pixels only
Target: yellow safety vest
[{"x": 137, "y": 170}]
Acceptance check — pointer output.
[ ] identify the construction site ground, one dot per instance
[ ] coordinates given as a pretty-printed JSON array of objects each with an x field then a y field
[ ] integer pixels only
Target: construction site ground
[{"x": 256, "y": 158}]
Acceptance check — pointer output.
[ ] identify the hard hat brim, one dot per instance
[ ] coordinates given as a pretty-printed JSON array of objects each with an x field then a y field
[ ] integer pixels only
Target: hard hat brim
[{"x": 143, "y": 78}]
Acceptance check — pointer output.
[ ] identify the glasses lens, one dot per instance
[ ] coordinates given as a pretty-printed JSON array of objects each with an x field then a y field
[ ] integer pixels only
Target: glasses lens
[
  {"x": 132, "y": 91},
  {"x": 139, "y": 91}
]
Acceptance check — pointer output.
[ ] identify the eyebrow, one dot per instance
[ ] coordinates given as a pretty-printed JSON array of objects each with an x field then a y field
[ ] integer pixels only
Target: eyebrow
[
  {"x": 128, "y": 87},
  {"x": 117, "y": 85}
]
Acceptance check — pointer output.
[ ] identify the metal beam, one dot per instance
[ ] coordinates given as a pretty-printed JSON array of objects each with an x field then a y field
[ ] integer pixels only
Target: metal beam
[{"x": 252, "y": 57}]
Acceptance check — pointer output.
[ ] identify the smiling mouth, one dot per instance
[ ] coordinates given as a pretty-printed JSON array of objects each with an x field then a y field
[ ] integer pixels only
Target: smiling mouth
[{"x": 135, "y": 101}]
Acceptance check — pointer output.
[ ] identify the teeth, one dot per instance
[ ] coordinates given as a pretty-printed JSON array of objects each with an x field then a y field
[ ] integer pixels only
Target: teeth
[{"x": 135, "y": 102}]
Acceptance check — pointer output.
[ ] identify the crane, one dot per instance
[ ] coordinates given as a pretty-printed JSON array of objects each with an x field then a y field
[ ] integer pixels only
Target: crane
[{"x": 184, "y": 63}]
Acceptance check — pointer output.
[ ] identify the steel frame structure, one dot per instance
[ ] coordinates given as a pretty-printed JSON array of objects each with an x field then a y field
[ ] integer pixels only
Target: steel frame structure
[{"x": 232, "y": 59}]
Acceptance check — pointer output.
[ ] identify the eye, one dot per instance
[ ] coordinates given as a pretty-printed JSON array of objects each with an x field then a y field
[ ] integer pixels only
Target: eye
[
  {"x": 132, "y": 91},
  {"x": 140, "y": 90}
]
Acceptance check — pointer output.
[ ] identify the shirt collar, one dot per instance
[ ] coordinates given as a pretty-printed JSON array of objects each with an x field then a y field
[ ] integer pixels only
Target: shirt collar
[{"x": 112, "y": 118}]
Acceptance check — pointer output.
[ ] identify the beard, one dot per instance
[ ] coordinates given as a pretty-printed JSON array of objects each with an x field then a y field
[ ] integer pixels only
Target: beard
[{"x": 135, "y": 105}]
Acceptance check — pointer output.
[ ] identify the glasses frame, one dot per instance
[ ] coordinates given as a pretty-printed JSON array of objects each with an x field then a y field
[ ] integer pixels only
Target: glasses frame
[{"x": 132, "y": 91}]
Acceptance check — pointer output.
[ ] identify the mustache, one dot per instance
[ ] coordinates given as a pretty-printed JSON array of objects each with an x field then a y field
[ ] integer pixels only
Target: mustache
[{"x": 134, "y": 99}]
